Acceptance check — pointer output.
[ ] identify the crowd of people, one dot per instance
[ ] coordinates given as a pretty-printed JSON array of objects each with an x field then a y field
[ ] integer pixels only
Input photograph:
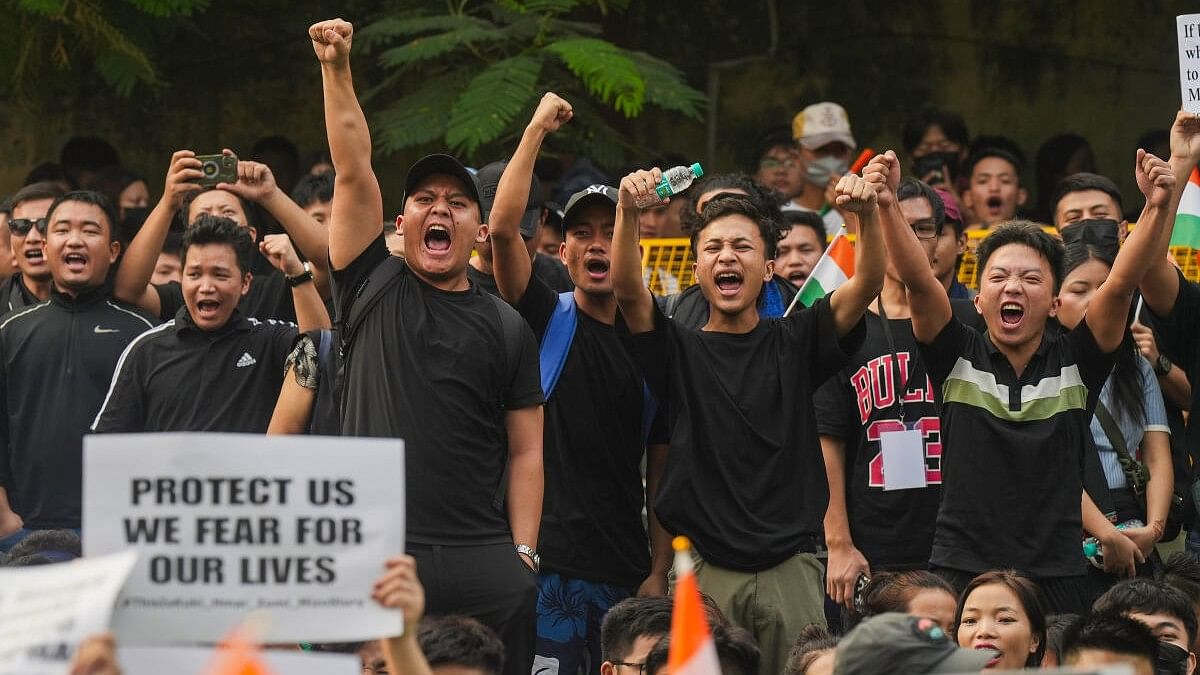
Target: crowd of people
[{"x": 908, "y": 475}]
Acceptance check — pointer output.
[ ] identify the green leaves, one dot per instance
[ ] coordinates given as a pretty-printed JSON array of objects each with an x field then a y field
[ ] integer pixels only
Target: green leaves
[
  {"x": 666, "y": 88},
  {"x": 491, "y": 101},
  {"x": 607, "y": 72},
  {"x": 419, "y": 117},
  {"x": 429, "y": 47}
]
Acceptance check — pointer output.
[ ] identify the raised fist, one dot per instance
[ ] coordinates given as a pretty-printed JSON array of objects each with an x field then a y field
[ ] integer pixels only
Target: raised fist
[
  {"x": 637, "y": 185},
  {"x": 331, "y": 41},
  {"x": 883, "y": 173},
  {"x": 856, "y": 194},
  {"x": 1154, "y": 178},
  {"x": 552, "y": 112}
]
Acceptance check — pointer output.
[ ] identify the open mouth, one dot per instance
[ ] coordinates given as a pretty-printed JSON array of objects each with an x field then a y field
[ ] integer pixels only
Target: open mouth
[
  {"x": 437, "y": 238},
  {"x": 1011, "y": 314},
  {"x": 76, "y": 262},
  {"x": 992, "y": 648},
  {"x": 994, "y": 204},
  {"x": 596, "y": 268},
  {"x": 207, "y": 308},
  {"x": 34, "y": 255},
  {"x": 797, "y": 278},
  {"x": 728, "y": 283}
]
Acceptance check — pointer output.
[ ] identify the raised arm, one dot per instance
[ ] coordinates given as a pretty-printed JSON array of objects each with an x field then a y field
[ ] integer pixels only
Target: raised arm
[
  {"x": 633, "y": 298},
  {"x": 132, "y": 282},
  {"x": 1109, "y": 307},
  {"x": 356, "y": 217},
  {"x": 256, "y": 183},
  {"x": 926, "y": 296},
  {"x": 310, "y": 309},
  {"x": 510, "y": 259},
  {"x": 857, "y": 196},
  {"x": 1160, "y": 286}
]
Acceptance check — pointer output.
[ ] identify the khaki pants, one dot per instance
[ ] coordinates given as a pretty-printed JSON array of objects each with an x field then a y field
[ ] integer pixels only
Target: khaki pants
[{"x": 774, "y": 604}]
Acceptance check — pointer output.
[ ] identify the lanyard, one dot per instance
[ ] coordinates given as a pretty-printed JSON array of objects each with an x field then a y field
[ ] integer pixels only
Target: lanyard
[{"x": 901, "y": 376}]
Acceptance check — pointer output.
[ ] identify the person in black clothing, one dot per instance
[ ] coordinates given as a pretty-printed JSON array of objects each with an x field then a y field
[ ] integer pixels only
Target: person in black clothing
[
  {"x": 593, "y": 543},
  {"x": 533, "y": 218},
  {"x": 56, "y": 359},
  {"x": 433, "y": 360},
  {"x": 269, "y": 296},
  {"x": 744, "y": 479},
  {"x": 883, "y": 388},
  {"x": 233, "y": 365},
  {"x": 1017, "y": 400},
  {"x": 27, "y": 224}
]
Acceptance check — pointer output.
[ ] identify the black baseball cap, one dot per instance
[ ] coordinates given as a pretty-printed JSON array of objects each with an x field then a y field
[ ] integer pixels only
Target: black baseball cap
[
  {"x": 898, "y": 643},
  {"x": 592, "y": 194},
  {"x": 489, "y": 180},
  {"x": 430, "y": 165}
]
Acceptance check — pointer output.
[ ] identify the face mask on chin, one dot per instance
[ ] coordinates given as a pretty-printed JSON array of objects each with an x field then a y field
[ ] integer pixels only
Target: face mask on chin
[{"x": 822, "y": 169}]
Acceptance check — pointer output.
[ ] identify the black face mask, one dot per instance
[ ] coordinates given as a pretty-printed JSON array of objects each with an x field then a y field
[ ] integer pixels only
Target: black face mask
[
  {"x": 1098, "y": 232},
  {"x": 1172, "y": 660},
  {"x": 939, "y": 162}
]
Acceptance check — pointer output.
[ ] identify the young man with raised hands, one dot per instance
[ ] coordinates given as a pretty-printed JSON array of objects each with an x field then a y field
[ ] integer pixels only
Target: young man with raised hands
[
  {"x": 433, "y": 360},
  {"x": 1017, "y": 399},
  {"x": 744, "y": 479}
]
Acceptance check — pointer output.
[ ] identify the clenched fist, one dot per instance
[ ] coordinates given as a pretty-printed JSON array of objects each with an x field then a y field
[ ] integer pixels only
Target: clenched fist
[{"x": 331, "y": 41}]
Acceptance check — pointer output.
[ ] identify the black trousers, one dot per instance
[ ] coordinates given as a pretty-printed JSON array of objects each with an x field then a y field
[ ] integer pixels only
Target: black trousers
[
  {"x": 1064, "y": 595},
  {"x": 489, "y": 583}
]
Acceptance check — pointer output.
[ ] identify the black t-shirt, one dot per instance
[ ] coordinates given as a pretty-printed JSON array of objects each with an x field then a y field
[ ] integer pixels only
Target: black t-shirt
[
  {"x": 431, "y": 367},
  {"x": 553, "y": 272},
  {"x": 177, "y": 377},
  {"x": 893, "y": 529},
  {"x": 269, "y": 296},
  {"x": 1181, "y": 343},
  {"x": 592, "y": 515},
  {"x": 745, "y": 479},
  {"x": 1012, "y": 469}
]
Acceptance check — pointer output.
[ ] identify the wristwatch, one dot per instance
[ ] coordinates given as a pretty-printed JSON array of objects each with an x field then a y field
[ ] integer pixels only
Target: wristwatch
[
  {"x": 532, "y": 554},
  {"x": 1163, "y": 365},
  {"x": 302, "y": 278}
]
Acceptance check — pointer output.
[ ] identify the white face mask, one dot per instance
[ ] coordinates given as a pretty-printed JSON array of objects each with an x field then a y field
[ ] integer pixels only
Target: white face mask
[{"x": 820, "y": 170}]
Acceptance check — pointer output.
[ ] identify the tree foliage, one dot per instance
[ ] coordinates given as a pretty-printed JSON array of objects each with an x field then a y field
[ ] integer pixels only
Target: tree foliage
[{"x": 468, "y": 76}]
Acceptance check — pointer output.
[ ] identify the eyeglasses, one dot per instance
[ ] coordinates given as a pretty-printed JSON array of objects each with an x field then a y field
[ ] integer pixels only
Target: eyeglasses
[
  {"x": 641, "y": 667},
  {"x": 21, "y": 226},
  {"x": 926, "y": 229},
  {"x": 772, "y": 163}
]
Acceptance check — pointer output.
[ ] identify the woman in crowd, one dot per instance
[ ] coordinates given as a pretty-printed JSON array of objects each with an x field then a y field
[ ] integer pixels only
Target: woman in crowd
[{"x": 1003, "y": 611}]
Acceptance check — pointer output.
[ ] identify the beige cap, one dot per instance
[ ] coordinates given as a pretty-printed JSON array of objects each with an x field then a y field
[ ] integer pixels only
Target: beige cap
[{"x": 822, "y": 123}]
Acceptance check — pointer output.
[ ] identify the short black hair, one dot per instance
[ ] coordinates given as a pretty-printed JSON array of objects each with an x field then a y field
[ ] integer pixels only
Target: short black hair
[
  {"x": 767, "y": 200},
  {"x": 1030, "y": 234},
  {"x": 793, "y": 218},
  {"x": 1056, "y": 625},
  {"x": 250, "y": 208},
  {"x": 47, "y": 172},
  {"x": 736, "y": 650},
  {"x": 951, "y": 124},
  {"x": 986, "y": 152},
  {"x": 460, "y": 641},
  {"x": 808, "y": 646},
  {"x": 86, "y": 153},
  {"x": 173, "y": 244},
  {"x": 1146, "y": 596},
  {"x": 721, "y": 206},
  {"x": 1109, "y": 632},
  {"x": 210, "y": 229},
  {"x": 630, "y": 619},
  {"x": 1182, "y": 571},
  {"x": 35, "y": 191},
  {"x": 778, "y": 137},
  {"x": 911, "y": 188},
  {"x": 89, "y": 197},
  {"x": 997, "y": 142},
  {"x": 60, "y": 544},
  {"x": 313, "y": 188},
  {"x": 1079, "y": 182},
  {"x": 112, "y": 181}
]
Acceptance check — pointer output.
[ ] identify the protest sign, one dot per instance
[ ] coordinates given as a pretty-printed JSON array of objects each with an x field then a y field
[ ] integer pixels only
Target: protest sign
[
  {"x": 198, "y": 660},
  {"x": 46, "y": 611},
  {"x": 298, "y": 527},
  {"x": 1187, "y": 29}
]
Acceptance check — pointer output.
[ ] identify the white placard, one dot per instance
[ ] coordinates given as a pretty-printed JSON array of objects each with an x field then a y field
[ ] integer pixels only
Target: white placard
[
  {"x": 46, "y": 611},
  {"x": 297, "y": 527},
  {"x": 903, "y": 459},
  {"x": 1188, "y": 32},
  {"x": 198, "y": 660}
]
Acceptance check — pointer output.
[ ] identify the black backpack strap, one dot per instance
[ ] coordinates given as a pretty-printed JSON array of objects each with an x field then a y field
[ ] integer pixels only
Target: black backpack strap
[
  {"x": 1135, "y": 472},
  {"x": 512, "y": 329},
  {"x": 383, "y": 277}
]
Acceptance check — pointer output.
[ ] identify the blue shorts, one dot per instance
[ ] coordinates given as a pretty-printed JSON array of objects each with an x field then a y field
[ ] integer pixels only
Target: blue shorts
[{"x": 569, "y": 614}]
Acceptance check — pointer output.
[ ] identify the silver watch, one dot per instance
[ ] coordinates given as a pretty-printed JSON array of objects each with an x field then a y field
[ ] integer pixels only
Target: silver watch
[{"x": 528, "y": 551}]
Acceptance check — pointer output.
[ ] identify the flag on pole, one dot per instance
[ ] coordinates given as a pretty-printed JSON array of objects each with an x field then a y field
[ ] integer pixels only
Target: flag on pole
[
  {"x": 1187, "y": 219},
  {"x": 692, "y": 649},
  {"x": 832, "y": 270}
]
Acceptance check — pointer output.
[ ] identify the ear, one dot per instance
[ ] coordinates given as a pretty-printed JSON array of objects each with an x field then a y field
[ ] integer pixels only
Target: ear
[
  {"x": 400, "y": 224},
  {"x": 482, "y": 235},
  {"x": 607, "y": 668},
  {"x": 562, "y": 257},
  {"x": 1034, "y": 644},
  {"x": 1054, "y": 305},
  {"x": 1022, "y": 195},
  {"x": 253, "y": 232},
  {"x": 114, "y": 251},
  {"x": 1122, "y": 230},
  {"x": 962, "y": 243},
  {"x": 246, "y": 279},
  {"x": 770, "y": 271},
  {"x": 694, "y": 275},
  {"x": 1191, "y": 667},
  {"x": 978, "y": 309}
]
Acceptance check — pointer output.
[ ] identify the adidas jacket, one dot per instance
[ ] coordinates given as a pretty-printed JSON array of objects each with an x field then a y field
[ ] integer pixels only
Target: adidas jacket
[
  {"x": 177, "y": 377},
  {"x": 56, "y": 360}
]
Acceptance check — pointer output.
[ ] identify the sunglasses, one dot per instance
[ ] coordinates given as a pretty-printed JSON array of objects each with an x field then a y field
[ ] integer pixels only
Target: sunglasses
[{"x": 21, "y": 226}]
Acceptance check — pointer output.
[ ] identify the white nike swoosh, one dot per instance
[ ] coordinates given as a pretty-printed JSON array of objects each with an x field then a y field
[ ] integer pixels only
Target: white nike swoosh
[{"x": 98, "y": 329}]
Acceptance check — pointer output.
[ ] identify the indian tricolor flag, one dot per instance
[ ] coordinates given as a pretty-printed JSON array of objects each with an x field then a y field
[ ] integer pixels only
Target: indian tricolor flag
[
  {"x": 692, "y": 649},
  {"x": 1187, "y": 220},
  {"x": 833, "y": 269}
]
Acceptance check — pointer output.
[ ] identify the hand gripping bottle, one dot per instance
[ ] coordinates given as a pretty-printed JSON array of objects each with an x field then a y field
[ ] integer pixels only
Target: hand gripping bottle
[
  {"x": 673, "y": 182},
  {"x": 1094, "y": 551}
]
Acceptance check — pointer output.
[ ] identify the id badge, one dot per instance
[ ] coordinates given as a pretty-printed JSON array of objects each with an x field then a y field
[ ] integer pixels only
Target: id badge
[{"x": 903, "y": 459}]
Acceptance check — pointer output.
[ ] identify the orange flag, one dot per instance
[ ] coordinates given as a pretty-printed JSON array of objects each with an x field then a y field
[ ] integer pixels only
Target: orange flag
[
  {"x": 239, "y": 654},
  {"x": 692, "y": 649}
]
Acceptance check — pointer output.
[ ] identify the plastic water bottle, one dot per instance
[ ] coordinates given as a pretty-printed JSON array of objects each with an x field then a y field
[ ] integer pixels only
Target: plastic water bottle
[
  {"x": 1094, "y": 552},
  {"x": 673, "y": 182}
]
